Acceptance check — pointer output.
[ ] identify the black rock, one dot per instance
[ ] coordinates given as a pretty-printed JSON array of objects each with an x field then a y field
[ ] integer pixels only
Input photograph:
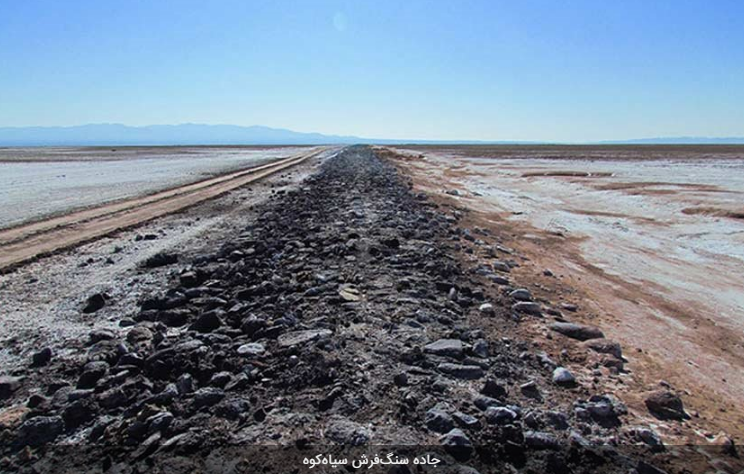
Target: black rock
[
  {"x": 207, "y": 397},
  {"x": 40, "y": 430},
  {"x": 94, "y": 303},
  {"x": 92, "y": 372},
  {"x": 98, "y": 335},
  {"x": 439, "y": 421},
  {"x": 8, "y": 385},
  {"x": 400, "y": 379},
  {"x": 540, "y": 440},
  {"x": 208, "y": 321},
  {"x": 457, "y": 444},
  {"x": 466, "y": 421},
  {"x": 161, "y": 259},
  {"x": 232, "y": 409},
  {"x": 500, "y": 416},
  {"x": 41, "y": 358},
  {"x": 492, "y": 388},
  {"x": 79, "y": 413},
  {"x": 467, "y": 372}
]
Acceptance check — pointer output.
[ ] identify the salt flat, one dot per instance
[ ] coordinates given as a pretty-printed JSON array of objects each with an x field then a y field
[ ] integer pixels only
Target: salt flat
[
  {"x": 39, "y": 182},
  {"x": 653, "y": 239}
]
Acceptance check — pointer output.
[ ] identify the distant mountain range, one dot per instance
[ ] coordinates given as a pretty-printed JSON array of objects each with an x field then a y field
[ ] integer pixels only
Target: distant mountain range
[
  {"x": 184, "y": 134},
  {"x": 200, "y": 134},
  {"x": 679, "y": 141}
]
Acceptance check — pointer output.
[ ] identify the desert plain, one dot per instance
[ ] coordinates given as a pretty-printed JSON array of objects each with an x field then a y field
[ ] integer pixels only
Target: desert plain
[{"x": 500, "y": 303}]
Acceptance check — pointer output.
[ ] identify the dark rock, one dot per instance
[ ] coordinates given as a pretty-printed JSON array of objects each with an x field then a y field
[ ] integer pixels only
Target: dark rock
[
  {"x": 645, "y": 468},
  {"x": 540, "y": 440},
  {"x": 480, "y": 348},
  {"x": 521, "y": 294},
  {"x": 545, "y": 360},
  {"x": 647, "y": 436},
  {"x": 345, "y": 432},
  {"x": 563, "y": 377},
  {"x": 494, "y": 389},
  {"x": 467, "y": 372},
  {"x": 401, "y": 379},
  {"x": 92, "y": 372},
  {"x": 185, "y": 384},
  {"x": 113, "y": 398},
  {"x": 79, "y": 413},
  {"x": 577, "y": 331},
  {"x": 530, "y": 390},
  {"x": 500, "y": 266},
  {"x": 8, "y": 385},
  {"x": 232, "y": 409},
  {"x": 207, "y": 397},
  {"x": 252, "y": 324},
  {"x": 167, "y": 395},
  {"x": 161, "y": 259},
  {"x": 466, "y": 421},
  {"x": 500, "y": 416},
  {"x": 220, "y": 379},
  {"x": 439, "y": 421},
  {"x": 98, "y": 335},
  {"x": 605, "y": 346},
  {"x": 41, "y": 358},
  {"x": 499, "y": 280},
  {"x": 189, "y": 279},
  {"x": 208, "y": 321},
  {"x": 557, "y": 420},
  {"x": 528, "y": 307},
  {"x": 483, "y": 403},
  {"x": 94, "y": 303},
  {"x": 40, "y": 430},
  {"x": 160, "y": 422},
  {"x": 665, "y": 405},
  {"x": 457, "y": 444},
  {"x": 36, "y": 400},
  {"x": 446, "y": 347}
]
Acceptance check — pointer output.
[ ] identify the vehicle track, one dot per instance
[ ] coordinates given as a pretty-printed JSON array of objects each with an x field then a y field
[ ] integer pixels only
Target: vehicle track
[{"x": 28, "y": 242}]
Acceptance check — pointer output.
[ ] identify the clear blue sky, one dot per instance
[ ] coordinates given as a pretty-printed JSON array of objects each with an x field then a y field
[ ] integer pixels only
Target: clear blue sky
[{"x": 549, "y": 70}]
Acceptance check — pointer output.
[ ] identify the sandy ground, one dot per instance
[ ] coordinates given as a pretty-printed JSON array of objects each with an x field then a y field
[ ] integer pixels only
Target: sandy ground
[
  {"x": 650, "y": 248},
  {"x": 39, "y": 182},
  {"x": 41, "y": 301}
]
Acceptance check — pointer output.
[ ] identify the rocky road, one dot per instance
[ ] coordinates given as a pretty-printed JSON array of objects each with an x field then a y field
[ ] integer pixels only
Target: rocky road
[{"x": 341, "y": 319}]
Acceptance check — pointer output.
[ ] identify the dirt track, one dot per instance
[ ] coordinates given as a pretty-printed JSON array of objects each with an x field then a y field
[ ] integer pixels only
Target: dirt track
[{"x": 26, "y": 242}]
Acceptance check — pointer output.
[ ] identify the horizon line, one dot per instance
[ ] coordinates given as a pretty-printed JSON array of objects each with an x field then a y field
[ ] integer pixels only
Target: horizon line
[{"x": 658, "y": 140}]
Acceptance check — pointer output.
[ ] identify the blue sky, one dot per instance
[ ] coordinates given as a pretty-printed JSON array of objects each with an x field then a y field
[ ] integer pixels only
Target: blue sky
[{"x": 524, "y": 70}]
